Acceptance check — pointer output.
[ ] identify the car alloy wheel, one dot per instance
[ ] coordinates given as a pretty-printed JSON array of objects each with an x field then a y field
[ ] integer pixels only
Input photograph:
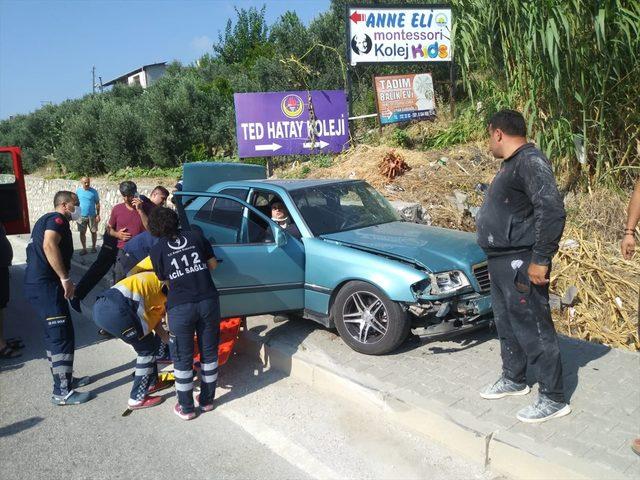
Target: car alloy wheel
[
  {"x": 365, "y": 317},
  {"x": 368, "y": 320}
]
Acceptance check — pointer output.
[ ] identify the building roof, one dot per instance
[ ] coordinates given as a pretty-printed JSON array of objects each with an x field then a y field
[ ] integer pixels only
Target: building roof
[{"x": 133, "y": 72}]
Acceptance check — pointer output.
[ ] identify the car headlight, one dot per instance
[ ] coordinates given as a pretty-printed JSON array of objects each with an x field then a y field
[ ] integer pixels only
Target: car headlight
[
  {"x": 448, "y": 282},
  {"x": 423, "y": 287}
]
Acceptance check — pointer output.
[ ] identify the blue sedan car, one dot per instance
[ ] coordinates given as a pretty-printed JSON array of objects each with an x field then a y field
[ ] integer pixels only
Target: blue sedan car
[{"x": 356, "y": 267}]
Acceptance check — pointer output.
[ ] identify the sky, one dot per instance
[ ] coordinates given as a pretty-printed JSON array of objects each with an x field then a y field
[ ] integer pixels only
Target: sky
[{"x": 48, "y": 48}]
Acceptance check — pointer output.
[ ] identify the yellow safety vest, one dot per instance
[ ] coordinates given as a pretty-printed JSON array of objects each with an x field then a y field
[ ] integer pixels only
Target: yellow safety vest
[{"x": 146, "y": 289}]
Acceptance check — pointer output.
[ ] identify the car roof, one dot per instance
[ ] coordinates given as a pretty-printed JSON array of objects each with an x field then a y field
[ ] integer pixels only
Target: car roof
[{"x": 297, "y": 184}]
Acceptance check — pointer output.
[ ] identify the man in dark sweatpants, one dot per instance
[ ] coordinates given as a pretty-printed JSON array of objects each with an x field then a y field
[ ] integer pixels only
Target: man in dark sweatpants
[
  {"x": 519, "y": 227},
  {"x": 106, "y": 259}
]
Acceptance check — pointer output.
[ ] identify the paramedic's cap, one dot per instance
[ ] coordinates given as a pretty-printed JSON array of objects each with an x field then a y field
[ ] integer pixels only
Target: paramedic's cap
[{"x": 128, "y": 188}]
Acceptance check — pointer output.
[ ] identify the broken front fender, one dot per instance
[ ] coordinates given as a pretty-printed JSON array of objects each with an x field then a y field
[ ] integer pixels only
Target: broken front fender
[{"x": 473, "y": 304}]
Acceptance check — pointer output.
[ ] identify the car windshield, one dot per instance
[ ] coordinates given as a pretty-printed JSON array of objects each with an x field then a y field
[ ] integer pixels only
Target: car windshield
[{"x": 342, "y": 206}]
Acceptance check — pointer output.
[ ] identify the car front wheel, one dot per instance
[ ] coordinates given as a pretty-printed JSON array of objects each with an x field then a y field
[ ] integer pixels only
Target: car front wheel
[{"x": 368, "y": 321}]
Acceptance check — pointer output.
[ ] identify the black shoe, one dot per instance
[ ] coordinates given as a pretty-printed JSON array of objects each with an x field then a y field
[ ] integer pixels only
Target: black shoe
[
  {"x": 75, "y": 304},
  {"x": 104, "y": 333}
]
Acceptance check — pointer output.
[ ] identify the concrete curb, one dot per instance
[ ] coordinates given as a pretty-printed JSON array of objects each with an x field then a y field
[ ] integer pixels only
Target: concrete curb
[{"x": 502, "y": 452}]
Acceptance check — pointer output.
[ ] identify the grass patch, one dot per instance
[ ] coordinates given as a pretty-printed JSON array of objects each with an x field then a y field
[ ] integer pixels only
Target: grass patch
[{"x": 139, "y": 172}]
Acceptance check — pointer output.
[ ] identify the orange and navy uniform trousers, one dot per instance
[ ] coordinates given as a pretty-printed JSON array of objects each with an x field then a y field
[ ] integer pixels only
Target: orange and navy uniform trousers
[{"x": 130, "y": 310}]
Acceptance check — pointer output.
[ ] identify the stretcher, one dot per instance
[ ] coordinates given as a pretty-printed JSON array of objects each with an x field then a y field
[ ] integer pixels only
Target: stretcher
[{"x": 229, "y": 329}]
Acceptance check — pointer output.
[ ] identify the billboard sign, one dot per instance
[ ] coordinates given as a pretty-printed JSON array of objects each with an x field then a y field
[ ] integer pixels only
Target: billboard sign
[
  {"x": 401, "y": 98},
  {"x": 291, "y": 123},
  {"x": 399, "y": 34}
]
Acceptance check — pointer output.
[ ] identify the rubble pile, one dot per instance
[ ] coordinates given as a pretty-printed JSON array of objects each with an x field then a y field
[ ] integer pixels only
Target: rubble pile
[{"x": 392, "y": 165}]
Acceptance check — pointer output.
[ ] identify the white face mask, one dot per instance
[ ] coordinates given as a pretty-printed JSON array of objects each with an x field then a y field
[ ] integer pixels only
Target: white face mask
[
  {"x": 75, "y": 215},
  {"x": 280, "y": 220}
]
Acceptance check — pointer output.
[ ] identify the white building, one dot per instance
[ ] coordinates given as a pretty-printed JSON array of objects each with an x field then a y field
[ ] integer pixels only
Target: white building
[{"x": 143, "y": 76}]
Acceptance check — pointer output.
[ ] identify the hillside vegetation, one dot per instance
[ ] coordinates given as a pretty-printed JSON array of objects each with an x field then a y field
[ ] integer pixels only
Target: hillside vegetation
[{"x": 571, "y": 67}]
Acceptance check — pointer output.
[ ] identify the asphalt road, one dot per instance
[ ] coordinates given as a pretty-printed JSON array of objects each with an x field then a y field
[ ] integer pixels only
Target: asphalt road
[{"x": 265, "y": 426}]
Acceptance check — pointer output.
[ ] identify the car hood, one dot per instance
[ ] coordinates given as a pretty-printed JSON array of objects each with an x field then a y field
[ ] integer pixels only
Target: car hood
[{"x": 436, "y": 249}]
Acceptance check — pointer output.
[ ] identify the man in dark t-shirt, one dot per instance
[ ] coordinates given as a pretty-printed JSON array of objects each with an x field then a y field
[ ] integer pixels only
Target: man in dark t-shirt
[
  {"x": 47, "y": 287},
  {"x": 157, "y": 198},
  {"x": 184, "y": 260}
]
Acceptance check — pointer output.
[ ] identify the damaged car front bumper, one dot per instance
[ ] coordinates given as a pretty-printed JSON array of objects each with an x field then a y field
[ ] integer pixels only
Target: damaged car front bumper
[{"x": 451, "y": 315}]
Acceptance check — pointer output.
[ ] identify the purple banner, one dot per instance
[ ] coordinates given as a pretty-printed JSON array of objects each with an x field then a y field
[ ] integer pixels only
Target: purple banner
[{"x": 291, "y": 123}]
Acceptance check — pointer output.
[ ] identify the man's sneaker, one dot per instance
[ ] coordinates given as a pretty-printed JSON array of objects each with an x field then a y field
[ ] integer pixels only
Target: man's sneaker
[
  {"x": 78, "y": 382},
  {"x": 184, "y": 416},
  {"x": 159, "y": 385},
  {"x": 72, "y": 398},
  {"x": 75, "y": 304},
  {"x": 204, "y": 408},
  {"x": 146, "y": 402},
  {"x": 544, "y": 409},
  {"x": 503, "y": 388}
]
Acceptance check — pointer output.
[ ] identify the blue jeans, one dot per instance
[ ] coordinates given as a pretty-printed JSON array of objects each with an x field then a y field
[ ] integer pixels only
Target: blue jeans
[
  {"x": 202, "y": 319},
  {"x": 113, "y": 313}
]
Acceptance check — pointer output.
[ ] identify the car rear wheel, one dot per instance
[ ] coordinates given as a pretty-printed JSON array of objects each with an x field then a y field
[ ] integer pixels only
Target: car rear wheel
[{"x": 368, "y": 321}]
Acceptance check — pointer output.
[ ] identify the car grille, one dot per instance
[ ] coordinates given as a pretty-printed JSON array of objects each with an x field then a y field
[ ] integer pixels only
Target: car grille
[{"x": 481, "y": 272}]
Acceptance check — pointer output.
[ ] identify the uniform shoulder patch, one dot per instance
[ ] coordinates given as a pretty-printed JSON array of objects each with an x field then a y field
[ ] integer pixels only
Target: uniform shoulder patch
[{"x": 58, "y": 220}]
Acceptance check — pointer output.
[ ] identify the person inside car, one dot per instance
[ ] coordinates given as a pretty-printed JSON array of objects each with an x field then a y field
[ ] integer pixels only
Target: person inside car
[{"x": 280, "y": 215}]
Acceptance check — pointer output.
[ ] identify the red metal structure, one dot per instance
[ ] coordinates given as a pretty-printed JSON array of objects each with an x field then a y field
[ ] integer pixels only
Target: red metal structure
[{"x": 14, "y": 212}]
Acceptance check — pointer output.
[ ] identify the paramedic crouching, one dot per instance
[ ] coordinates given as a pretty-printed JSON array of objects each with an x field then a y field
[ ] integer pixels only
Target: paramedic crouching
[
  {"x": 131, "y": 310},
  {"x": 184, "y": 260}
]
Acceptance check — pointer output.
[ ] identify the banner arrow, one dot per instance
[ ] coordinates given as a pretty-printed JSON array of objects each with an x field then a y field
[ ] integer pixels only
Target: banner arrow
[
  {"x": 268, "y": 147},
  {"x": 357, "y": 17},
  {"x": 319, "y": 144}
]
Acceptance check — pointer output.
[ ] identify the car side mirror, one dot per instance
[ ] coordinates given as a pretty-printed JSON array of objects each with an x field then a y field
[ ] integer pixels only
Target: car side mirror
[{"x": 280, "y": 236}]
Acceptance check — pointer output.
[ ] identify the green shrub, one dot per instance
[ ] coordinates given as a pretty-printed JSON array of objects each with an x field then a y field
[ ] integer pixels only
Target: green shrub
[{"x": 400, "y": 138}]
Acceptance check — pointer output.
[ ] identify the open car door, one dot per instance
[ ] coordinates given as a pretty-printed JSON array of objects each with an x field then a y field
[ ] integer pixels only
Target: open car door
[
  {"x": 14, "y": 213},
  {"x": 261, "y": 267}
]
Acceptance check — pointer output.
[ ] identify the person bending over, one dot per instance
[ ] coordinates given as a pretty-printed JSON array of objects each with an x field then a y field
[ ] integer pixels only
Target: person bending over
[
  {"x": 184, "y": 259},
  {"x": 131, "y": 310}
]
